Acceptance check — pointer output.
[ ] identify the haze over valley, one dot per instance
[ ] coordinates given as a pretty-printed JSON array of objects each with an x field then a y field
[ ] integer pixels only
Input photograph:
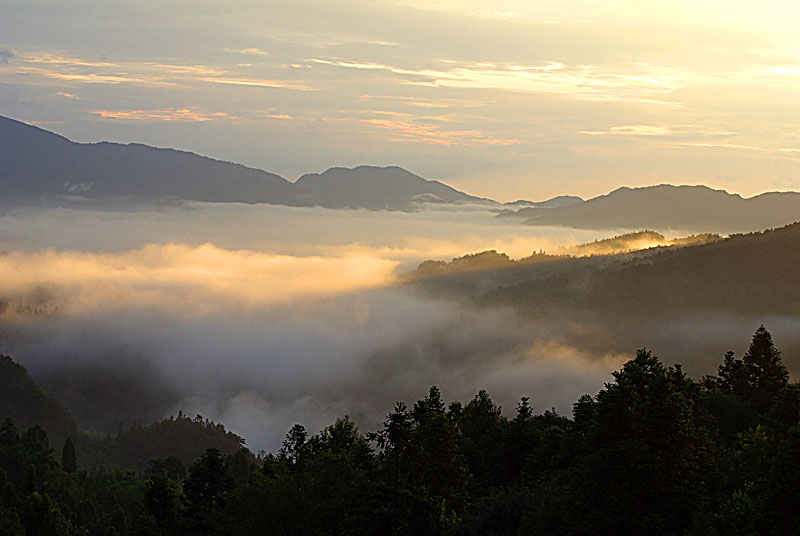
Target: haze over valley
[{"x": 144, "y": 297}]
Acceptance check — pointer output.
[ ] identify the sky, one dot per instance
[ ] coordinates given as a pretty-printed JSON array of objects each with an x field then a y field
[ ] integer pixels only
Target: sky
[{"x": 507, "y": 99}]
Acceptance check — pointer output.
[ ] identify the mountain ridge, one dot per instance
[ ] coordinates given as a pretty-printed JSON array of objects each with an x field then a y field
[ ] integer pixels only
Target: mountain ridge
[
  {"x": 37, "y": 164},
  {"x": 666, "y": 206}
]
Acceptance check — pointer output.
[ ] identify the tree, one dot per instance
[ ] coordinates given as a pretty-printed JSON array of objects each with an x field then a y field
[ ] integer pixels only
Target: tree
[
  {"x": 162, "y": 500},
  {"x": 764, "y": 364},
  {"x": 8, "y": 433},
  {"x": 68, "y": 462},
  {"x": 759, "y": 377},
  {"x": 208, "y": 481},
  {"x": 294, "y": 445}
]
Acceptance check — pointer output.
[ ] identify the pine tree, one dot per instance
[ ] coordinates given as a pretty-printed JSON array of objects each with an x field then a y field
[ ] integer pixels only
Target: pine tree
[
  {"x": 68, "y": 461},
  {"x": 768, "y": 373}
]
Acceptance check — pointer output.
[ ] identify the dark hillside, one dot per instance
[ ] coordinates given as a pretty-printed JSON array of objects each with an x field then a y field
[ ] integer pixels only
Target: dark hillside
[{"x": 23, "y": 400}]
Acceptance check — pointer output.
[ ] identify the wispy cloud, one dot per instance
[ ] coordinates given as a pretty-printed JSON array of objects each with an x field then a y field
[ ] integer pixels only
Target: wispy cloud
[
  {"x": 657, "y": 130},
  {"x": 112, "y": 78},
  {"x": 632, "y": 130},
  {"x": 780, "y": 150},
  {"x": 182, "y": 115},
  {"x": 259, "y": 82},
  {"x": 583, "y": 81},
  {"x": 252, "y": 51},
  {"x": 408, "y": 130},
  {"x": 423, "y": 102}
]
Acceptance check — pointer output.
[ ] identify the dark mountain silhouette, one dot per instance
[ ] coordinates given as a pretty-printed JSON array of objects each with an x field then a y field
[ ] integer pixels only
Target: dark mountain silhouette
[
  {"x": 38, "y": 165},
  {"x": 676, "y": 207},
  {"x": 390, "y": 188}
]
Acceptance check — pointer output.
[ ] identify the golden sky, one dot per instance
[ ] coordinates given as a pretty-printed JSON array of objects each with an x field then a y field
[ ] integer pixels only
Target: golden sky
[{"x": 508, "y": 99}]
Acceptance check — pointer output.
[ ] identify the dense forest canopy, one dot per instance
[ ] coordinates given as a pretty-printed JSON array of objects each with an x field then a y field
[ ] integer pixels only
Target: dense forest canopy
[{"x": 653, "y": 452}]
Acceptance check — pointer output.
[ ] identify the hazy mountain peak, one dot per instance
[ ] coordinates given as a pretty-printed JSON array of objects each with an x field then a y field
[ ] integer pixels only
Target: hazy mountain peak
[
  {"x": 667, "y": 206},
  {"x": 375, "y": 187},
  {"x": 36, "y": 164}
]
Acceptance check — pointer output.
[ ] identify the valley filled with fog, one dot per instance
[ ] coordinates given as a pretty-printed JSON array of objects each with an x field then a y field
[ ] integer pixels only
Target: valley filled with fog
[{"x": 262, "y": 316}]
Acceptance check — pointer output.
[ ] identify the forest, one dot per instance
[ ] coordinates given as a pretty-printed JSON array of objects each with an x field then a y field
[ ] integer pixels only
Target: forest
[{"x": 654, "y": 451}]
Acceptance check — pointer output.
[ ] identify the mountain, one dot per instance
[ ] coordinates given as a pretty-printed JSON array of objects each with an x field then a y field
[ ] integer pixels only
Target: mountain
[
  {"x": 478, "y": 275},
  {"x": 391, "y": 188},
  {"x": 25, "y": 401},
  {"x": 27, "y": 404},
  {"x": 673, "y": 207},
  {"x": 555, "y": 202},
  {"x": 752, "y": 273},
  {"x": 37, "y": 165}
]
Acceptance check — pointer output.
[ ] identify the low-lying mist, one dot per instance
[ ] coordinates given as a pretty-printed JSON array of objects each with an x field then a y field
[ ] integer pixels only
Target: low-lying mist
[
  {"x": 260, "y": 342},
  {"x": 135, "y": 316}
]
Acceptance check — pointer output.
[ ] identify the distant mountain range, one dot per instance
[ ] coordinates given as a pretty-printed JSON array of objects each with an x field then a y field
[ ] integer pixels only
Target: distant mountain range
[
  {"x": 671, "y": 207},
  {"x": 36, "y": 164},
  {"x": 40, "y": 166}
]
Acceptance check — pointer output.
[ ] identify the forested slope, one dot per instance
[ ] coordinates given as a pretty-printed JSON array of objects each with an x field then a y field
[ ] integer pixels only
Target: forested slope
[{"x": 653, "y": 452}]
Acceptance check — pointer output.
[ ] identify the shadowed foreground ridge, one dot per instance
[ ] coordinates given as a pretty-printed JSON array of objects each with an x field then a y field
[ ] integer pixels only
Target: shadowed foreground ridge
[{"x": 653, "y": 452}]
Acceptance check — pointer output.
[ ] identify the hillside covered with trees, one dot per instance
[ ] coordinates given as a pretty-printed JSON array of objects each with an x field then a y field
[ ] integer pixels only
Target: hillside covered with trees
[
  {"x": 653, "y": 452},
  {"x": 754, "y": 273}
]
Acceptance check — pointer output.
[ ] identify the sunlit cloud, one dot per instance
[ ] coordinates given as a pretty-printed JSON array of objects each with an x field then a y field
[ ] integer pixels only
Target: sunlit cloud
[
  {"x": 780, "y": 150},
  {"x": 581, "y": 81},
  {"x": 186, "y": 280},
  {"x": 259, "y": 83},
  {"x": 53, "y": 58},
  {"x": 632, "y": 130},
  {"x": 277, "y": 116},
  {"x": 167, "y": 114},
  {"x": 657, "y": 130},
  {"x": 323, "y": 39},
  {"x": 409, "y": 131},
  {"x": 783, "y": 70},
  {"x": 115, "y": 78},
  {"x": 423, "y": 102},
  {"x": 200, "y": 70},
  {"x": 67, "y": 95},
  {"x": 252, "y": 51}
]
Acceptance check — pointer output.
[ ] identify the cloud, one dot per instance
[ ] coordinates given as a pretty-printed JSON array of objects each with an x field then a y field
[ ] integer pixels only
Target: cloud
[
  {"x": 632, "y": 130},
  {"x": 184, "y": 280},
  {"x": 260, "y": 339},
  {"x": 6, "y": 54},
  {"x": 252, "y": 51},
  {"x": 278, "y": 84},
  {"x": 659, "y": 131},
  {"x": 181, "y": 115},
  {"x": 408, "y": 128},
  {"x": 590, "y": 82}
]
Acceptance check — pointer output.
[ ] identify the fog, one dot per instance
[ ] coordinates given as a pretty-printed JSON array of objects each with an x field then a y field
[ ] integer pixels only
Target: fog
[{"x": 261, "y": 317}]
